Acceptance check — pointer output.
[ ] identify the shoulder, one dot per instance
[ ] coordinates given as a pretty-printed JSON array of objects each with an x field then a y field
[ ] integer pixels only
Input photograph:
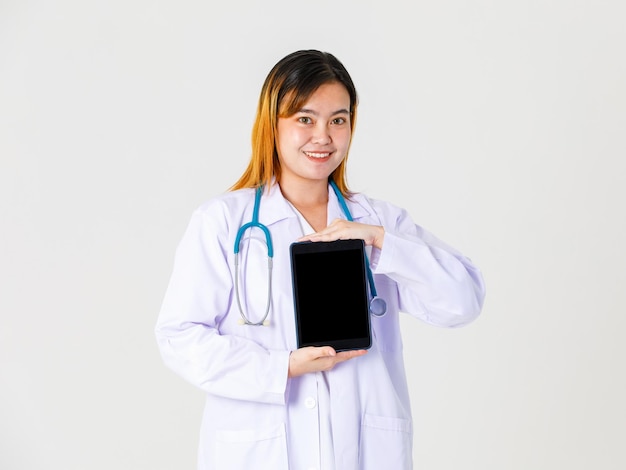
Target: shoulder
[
  {"x": 223, "y": 212},
  {"x": 385, "y": 210},
  {"x": 230, "y": 202}
]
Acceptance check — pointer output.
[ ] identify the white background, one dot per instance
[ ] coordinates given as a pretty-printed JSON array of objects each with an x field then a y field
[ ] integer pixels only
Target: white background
[{"x": 500, "y": 126}]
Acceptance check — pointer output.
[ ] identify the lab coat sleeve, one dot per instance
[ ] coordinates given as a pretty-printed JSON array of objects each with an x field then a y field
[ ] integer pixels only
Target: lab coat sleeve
[
  {"x": 197, "y": 297},
  {"x": 435, "y": 282}
]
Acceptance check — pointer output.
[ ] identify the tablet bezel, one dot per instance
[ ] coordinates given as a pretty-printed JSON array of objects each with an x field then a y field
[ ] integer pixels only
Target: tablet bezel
[{"x": 360, "y": 291}]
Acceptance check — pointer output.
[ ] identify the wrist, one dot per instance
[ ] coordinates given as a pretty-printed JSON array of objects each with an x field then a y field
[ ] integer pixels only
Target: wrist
[{"x": 379, "y": 237}]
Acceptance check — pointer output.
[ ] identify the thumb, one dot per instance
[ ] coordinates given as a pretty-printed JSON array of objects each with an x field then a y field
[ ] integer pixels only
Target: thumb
[{"x": 329, "y": 351}]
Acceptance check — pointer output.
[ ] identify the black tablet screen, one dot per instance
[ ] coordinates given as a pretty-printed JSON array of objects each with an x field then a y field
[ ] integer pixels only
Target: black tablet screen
[{"x": 330, "y": 294}]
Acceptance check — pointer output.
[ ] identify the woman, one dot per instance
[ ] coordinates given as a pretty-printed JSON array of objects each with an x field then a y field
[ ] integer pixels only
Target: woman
[{"x": 270, "y": 405}]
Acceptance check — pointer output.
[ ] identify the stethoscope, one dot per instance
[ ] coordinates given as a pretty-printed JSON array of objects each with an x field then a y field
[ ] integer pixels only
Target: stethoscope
[{"x": 377, "y": 306}]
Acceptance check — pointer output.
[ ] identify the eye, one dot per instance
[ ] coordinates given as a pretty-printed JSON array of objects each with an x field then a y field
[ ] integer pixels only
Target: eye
[
  {"x": 304, "y": 120},
  {"x": 338, "y": 121}
]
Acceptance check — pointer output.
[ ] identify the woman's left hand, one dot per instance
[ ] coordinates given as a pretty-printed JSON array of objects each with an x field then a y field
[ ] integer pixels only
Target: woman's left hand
[{"x": 341, "y": 229}]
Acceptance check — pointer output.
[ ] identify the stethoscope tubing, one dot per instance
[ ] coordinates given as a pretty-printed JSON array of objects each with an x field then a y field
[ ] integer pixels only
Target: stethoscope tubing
[
  {"x": 270, "y": 256},
  {"x": 255, "y": 223},
  {"x": 346, "y": 211},
  {"x": 377, "y": 305}
]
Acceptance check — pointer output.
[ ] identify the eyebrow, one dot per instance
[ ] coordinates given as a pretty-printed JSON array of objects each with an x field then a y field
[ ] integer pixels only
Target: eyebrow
[{"x": 315, "y": 113}]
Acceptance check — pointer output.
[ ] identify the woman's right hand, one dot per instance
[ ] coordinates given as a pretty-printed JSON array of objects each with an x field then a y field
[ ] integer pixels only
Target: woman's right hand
[{"x": 318, "y": 359}]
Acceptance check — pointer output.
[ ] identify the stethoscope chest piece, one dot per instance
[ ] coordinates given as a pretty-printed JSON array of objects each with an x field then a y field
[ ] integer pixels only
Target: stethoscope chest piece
[{"x": 378, "y": 306}]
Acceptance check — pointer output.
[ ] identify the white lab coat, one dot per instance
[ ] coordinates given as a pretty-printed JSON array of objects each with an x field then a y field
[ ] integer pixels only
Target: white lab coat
[{"x": 257, "y": 418}]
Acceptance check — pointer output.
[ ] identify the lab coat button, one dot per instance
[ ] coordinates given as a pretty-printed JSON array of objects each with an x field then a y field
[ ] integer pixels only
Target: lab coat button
[{"x": 310, "y": 402}]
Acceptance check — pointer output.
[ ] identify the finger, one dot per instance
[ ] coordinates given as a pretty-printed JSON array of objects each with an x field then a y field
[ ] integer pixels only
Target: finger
[
  {"x": 318, "y": 352},
  {"x": 331, "y": 232},
  {"x": 326, "y": 351},
  {"x": 328, "y": 234},
  {"x": 346, "y": 355}
]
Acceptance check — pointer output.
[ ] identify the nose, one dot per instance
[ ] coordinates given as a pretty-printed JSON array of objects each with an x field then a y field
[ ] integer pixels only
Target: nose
[{"x": 321, "y": 135}]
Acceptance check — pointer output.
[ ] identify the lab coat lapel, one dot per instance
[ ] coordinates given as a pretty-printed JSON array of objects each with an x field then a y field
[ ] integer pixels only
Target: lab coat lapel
[
  {"x": 357, "y": 210},
  {"x": 274, "y": 206}
]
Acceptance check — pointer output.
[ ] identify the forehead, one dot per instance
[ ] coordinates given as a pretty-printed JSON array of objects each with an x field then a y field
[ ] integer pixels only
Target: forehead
[{"x": 331, "y": 94}]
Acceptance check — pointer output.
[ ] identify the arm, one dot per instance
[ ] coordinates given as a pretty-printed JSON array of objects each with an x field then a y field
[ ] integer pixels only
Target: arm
[
  {"x": 435, "y": 282},
  {"x": 198, "y": 297}
]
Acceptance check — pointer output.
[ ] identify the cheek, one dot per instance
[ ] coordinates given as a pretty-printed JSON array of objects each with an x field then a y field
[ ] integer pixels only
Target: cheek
[
  {"x": 342, "y": 139},
  {"x": 290, "y": 137}
]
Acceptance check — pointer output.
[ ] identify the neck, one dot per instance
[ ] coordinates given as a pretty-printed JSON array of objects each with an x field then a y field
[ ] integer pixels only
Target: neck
[{"x": 309, "y": 194}]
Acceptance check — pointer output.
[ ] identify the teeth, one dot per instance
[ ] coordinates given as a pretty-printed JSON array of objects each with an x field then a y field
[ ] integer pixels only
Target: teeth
[{"x": 317, "y": 155}]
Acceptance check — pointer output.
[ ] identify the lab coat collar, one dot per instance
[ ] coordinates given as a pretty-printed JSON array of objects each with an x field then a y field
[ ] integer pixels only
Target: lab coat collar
[
  {"x": 357, "y": 210},
  {"x": 274, "y": 206}
]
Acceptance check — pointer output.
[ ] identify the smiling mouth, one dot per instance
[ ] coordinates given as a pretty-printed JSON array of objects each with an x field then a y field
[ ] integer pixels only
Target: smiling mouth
[{"x": 319, "y": 155}]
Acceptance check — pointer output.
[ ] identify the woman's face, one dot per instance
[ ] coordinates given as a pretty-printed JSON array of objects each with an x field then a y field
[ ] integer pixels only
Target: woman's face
[{"x": 312, "y": 142}]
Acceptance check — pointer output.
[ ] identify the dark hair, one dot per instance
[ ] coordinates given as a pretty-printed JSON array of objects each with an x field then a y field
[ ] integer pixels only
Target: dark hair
[{"x": 298, "y": 75}]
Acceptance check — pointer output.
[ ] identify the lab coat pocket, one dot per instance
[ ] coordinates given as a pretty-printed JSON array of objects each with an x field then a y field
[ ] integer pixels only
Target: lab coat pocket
[
  {"x": 252, "y": 448},
  {"x": 385, "y": 443}
]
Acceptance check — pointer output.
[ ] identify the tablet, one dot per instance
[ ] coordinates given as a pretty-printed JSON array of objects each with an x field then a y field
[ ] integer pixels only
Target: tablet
[{"x": 330, "y": 294}]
